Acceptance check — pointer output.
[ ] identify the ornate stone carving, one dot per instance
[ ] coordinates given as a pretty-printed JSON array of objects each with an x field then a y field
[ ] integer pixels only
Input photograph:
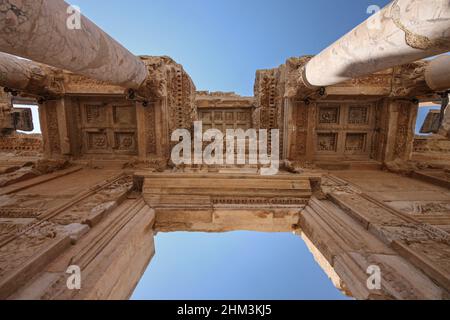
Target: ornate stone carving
[
  {"x": 269, "y": 94},
  {"x": 150, "y": 120},
  {"x": 97, "y": 141},
  {"x": 301, "y": 137},
  {"x": 171, "y": 82},
  {"x": 53, "y": 128},
  {"x": 326, "y": 142},
  {"x": 409, "y": 80},
  {"x": 91, "y": 209},
  {"x": 355, "y": 142},
  {"x": 22, "y": 144},
  {"x": 125, "y": 141},
  {"x": 95, "y": 114},
  {"x": 358, "y": 114},
  {"x": 328, "y": 115},
  {"x": 403, "y": 129}
]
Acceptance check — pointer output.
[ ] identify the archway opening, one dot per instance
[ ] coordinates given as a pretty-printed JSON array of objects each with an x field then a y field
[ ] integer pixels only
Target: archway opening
[{"x": 233, "y": 265}]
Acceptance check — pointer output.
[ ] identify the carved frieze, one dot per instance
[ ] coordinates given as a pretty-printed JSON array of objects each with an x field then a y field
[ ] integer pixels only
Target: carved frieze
[
  {"x": 22, "y": 143},
  {"x": 301, "y": 136},
  {"x": 404, "y": 129},
  {"x": 150, "y": 120},
  {"x": 92, "y": 208},
  {"x": 269, "y": 94},
  {"x": 173, "y": 85},
  {"x": 53, "y": 128}
]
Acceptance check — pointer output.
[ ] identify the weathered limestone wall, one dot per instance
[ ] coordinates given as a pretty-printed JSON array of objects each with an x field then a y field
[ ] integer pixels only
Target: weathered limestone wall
[
  {"x": 374, "y": 218},
  {"x": 346, "y": 250}
]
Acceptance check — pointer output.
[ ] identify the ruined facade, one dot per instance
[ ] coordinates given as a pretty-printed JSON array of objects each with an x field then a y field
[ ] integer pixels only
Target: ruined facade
[{"x": 355, "y": 182}]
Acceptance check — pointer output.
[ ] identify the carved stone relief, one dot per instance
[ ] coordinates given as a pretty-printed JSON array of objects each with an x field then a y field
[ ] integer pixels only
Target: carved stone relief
[
  {"x": 53, "y": 128},
  {"x": 150, "y": 119},
  {"x": 355, "y": 142},
  {"x": 358, "y": 114},
  {"x": 328, "y": 115},
  {"x": 326, "y": 142},
  {"x": 109, "y": 127}
]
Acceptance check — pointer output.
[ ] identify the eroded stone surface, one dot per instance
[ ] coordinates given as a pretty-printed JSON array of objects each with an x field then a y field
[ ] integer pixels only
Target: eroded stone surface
[{"x": 94, "y": 188}]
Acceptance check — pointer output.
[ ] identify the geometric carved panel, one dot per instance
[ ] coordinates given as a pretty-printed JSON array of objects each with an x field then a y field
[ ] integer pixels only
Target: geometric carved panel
[
  {"x": 95, "y": 114},
  {"x": 124, "y": 115},
  {"x": 125, "y": 141},
  {"x": 206, "y": 116},
  {"x": 97, "y": 141},
  {"x": 358, "y": 115},
  {"x": 109, "y": 126},
  {"x": 226, "y": 118},
  {"x": 329, "y": 115},
  {"x": 355, "y": 142},
  {"x": 229, "y": 116},
  {"x": 326, "y": 141},
  {"x": 217, "y": 116},
  {"x": 243, "y": 116}
]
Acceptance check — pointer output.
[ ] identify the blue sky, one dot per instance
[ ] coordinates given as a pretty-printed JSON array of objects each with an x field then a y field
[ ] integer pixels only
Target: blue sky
[
  {"x": 235, "y": 265},
  {"x": 421, "y": 115},
  {"x": 221, "y": 43}
]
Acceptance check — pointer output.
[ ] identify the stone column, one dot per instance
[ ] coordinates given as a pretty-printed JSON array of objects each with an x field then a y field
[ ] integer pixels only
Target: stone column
[
  {"x": 404, "y": 31},
  {"x": 47, "y": 32},
  {"x": 23, "y": 75},
  {"x": 437, "y": 73}
]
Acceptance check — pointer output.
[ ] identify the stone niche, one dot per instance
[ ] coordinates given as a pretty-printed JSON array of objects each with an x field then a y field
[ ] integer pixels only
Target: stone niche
[
  {"x": 95, "y": 120},
  {"x": 368, "y": 120}
]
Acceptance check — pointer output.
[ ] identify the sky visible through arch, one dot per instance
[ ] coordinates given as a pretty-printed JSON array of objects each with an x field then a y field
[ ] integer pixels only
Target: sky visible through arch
[{"x": 221, "y": 43}]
